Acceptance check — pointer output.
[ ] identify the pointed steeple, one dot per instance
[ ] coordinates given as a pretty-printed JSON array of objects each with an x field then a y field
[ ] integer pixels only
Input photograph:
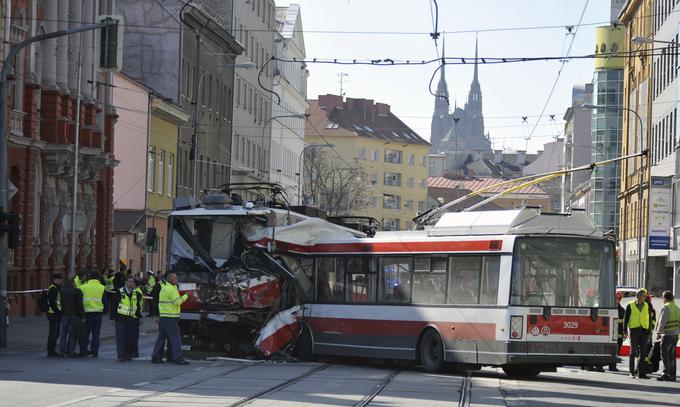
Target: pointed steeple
[{"x": 475, "y": 77}]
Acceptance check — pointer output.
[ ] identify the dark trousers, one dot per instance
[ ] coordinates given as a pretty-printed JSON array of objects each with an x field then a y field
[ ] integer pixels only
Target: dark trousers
[
  {"x": 668, "y": 343},
  {"x": 134, "y": 350},
  {"x": 168, "y": 330},
  {"x": 125, "y": 336},
  {"x": 93, "y": 326},
  {"x": 639, "y": 341},
  {"x": 53, "y": 334}
]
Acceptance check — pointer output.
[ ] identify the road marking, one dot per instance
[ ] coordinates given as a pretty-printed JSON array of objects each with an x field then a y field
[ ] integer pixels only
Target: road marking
[
  {"x": 141, "y": 384},
  {"x": 465, "y": 391}
]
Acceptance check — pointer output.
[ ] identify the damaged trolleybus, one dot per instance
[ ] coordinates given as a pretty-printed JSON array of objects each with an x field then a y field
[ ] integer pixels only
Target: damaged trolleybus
[{"x": 518, "y": 289}]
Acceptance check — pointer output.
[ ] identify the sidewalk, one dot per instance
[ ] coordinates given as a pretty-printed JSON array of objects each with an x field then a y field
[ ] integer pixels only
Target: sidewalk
[{"x": 29, "y": 334}]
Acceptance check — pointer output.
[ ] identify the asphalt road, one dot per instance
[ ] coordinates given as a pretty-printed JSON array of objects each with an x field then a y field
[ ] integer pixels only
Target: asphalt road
[{"x": 30, "y": 379}]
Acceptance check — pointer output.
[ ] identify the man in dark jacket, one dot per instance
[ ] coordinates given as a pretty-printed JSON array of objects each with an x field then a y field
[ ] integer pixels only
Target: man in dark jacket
[
  {"x": 54, "y": 315},
  {"x": 619, "y": 329},
  {"x": 72, "y": 324}
]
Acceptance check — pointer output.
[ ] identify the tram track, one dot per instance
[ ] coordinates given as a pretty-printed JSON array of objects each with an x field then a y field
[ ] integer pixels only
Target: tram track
[
  {"x": 465, "y": 391},
  {"x": 378, "y": 388},
  {"x": 278, "y": 387}
]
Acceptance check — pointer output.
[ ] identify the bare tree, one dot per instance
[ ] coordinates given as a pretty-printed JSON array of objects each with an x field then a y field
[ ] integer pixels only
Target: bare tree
[{"x": 332, "y": 185}]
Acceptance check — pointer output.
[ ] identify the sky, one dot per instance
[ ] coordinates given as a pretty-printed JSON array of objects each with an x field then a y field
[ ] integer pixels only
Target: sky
[{"x": 399, "y": 30}]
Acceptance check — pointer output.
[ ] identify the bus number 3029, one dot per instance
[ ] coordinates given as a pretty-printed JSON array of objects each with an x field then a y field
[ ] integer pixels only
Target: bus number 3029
[{"x": 570, "y": 325}]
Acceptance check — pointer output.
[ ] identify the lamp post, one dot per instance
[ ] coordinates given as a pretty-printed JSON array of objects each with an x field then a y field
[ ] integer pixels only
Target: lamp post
[
  {"x": 643, "y": 152},
  {"x": 645, "y": 40},
  {"x": 307, "y": 147},
  {"x": 196, "y": 102},
  {"x": 264, "y": 127}
]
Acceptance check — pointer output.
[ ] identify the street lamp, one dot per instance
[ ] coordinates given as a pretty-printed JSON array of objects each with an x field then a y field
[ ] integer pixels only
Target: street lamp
[
  {"x": 645, "y": 40},
  {"x": 264, "y": 127},
  {"x": 643, "y": 152},
  {"x": 307, "y": 147},
  {"x": 194, "y": 138}
]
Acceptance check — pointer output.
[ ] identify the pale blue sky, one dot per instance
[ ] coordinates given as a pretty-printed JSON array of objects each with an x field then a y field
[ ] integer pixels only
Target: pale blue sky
[{"x": 508, "y": 90}]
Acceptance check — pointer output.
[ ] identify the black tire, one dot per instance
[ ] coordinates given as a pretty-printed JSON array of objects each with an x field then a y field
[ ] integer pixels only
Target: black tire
[
  {"x": 521, "y": 372},
  {"x": 431, "y": 351},
  {"x": 305, "y": 347}
]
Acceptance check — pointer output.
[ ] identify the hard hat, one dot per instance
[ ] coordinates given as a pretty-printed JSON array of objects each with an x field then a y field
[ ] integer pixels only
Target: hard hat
[
  {"x": 122, "y": 262},
  {"x": 641, "y": 291}
]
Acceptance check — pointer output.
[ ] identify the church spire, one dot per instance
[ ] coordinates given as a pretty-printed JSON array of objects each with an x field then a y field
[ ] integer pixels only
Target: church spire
[{"x": 475, "y": 77}]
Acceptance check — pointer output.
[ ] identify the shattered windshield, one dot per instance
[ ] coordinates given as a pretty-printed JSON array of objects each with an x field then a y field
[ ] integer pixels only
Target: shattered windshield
[{"x": 563, "y": 272}]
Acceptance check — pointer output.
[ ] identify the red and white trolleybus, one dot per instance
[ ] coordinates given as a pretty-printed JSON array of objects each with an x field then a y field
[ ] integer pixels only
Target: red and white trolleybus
[{"x": 518, "y": 289}]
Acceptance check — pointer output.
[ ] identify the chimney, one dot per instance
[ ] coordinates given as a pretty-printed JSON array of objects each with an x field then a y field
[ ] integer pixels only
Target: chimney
[
  {"x": 521, "y": 157},
  {"x": 382, "y": 109},
  {"x": 497, "y": 156},
  {"x": 538, "y": 153},
  {"x": 329, "y": 103}
]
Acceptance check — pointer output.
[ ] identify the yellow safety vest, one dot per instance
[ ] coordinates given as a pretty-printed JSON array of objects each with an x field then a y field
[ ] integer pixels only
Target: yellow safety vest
[
  {"x": 58, "y": 300},
  {"x": 673, "y": 322},
  {"x": 128, "y": 304},
  {"x": 150, "y": 283},
  {"x": 93, "y": 291},
  {"x": 638, "y": 318},
  {"x": 169, "y": 301},
  {"x": 108, "y": 283},
  {"x": 77, "y": 282}
]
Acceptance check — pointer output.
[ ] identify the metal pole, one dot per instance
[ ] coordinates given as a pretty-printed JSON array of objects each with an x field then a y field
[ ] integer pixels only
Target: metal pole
[
  {"x": 264, "y": 127},
  {"x": 197, "y": 100},
  {"x": 300, "y": 167},
  {"x": 3, "y": 156},
  {"x": 76, "y": 161}
]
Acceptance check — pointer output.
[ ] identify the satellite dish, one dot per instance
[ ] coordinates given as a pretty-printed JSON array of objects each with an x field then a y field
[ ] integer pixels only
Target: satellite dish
[
  {"x": 615, "y": 47},
  {"x": 603, "y": 48}
]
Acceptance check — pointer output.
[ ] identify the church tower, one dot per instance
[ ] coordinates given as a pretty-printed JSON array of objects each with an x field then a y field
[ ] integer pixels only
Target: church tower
[
  {"x": 473, "y": 106},
  {"x": 441, "y": 119}
]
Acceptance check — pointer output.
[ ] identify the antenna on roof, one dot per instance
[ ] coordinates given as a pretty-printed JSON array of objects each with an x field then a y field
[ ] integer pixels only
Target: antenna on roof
[{"x": 342, "y": 75}]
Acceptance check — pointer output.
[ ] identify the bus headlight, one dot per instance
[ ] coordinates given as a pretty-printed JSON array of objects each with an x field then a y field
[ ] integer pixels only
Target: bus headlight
[{"x": 516, "y": 323}]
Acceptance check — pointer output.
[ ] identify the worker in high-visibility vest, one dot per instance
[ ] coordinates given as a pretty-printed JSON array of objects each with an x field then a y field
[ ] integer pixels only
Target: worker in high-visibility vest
[
  {"x": 93, "y": 304},
  {"x": 54, "y": 315},
  {"x": 126, "y": 310},
  {"x": 619, "y": 329},
  {"x": 667, "y": 330},
  {"x": 169, "y": 303},
  {"x": 637, "y": 322}
]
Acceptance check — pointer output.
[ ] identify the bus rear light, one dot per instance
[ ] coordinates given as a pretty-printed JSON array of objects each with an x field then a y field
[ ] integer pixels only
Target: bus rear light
[
  {"x": 516, "y": 325},
  {"x": 615, "y": 329}
]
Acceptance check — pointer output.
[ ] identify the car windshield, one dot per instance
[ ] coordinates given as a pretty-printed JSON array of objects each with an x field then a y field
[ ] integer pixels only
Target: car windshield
[{"x": 563, "y": 272}]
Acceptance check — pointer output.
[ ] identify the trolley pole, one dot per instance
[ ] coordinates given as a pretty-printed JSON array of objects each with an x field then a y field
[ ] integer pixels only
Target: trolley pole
[{"x": 7, "y": 65}]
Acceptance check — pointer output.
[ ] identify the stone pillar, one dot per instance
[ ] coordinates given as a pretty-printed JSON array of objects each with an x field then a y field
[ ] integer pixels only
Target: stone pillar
[
  {"x": 76, "y": 7},
  {"x": 62, "y": 46},
  {"x": 49, "y": 74}
]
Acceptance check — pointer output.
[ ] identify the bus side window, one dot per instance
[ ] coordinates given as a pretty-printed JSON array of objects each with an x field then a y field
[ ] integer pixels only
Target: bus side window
[
  {"x": 429, "y": 280},
  {"x": 361, "y": 280},
  {"x": 489, "y": 284},
  {"x": 464, "y": 278},
  {"x": 395, "y": 279},
  {"x": 330, "y": 278}
]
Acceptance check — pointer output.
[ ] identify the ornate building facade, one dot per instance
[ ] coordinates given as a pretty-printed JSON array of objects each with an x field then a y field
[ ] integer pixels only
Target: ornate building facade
[{"x": 42, "y": 127}]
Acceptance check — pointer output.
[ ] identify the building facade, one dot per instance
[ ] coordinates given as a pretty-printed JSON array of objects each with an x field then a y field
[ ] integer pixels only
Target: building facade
[
  {"x": 290, "y": 83},
  {"x": 145, "y": 180},
  {"x": 162, "y": 51},
  {"x": 254, "y": 27},
  {"x": 43, "y": 107},
  {"x": 637, "y": 16},
  {"x": 395, "y": 160},
  {"x": 607, "y": 123}
]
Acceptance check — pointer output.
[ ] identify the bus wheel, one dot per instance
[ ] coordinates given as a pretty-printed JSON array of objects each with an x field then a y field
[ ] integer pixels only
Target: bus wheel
[
  {"x": 521, "y": 372},
  {"x": 431, "y": 351},
  {"x": 305, "y": 348}
]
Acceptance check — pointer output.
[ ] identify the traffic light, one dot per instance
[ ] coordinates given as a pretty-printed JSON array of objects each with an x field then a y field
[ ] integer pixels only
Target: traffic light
[
  {"x": 109, "y": 43},
  {"x": 151, "y": 237}
]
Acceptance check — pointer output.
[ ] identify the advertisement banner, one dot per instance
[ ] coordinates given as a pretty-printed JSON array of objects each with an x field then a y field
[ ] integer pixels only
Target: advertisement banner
[{"x": 660, "y": 219}]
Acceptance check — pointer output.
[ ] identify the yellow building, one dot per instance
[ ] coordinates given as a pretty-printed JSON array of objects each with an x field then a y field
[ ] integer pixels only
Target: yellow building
[
  {"x": 637, "y": 16},
  {"x": 392, "y": 155}
]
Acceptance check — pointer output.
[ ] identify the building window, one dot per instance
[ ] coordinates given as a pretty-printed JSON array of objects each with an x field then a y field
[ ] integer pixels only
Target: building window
[
  {"x": 150, "y": 168},
  {"x": 374, "y": 155},
  {"x": 421, "y": 206},
  {"x": 373, "y": 201},
  {"x": 411, "y": 159},
  {"x": 410, "y": 182},
  {"x": 423, "y": 161},
  {"x": 393, "y": 156},
  {"x": 422, "y": 184},
  {"x": 392, "y": 179},
  {"x": 171, "y": 175},
  {"x": 409, "y": 204},
  {"x": 391, "y": 202},
  {"x": 161, "y": 171},
  {"x": 362, "y": 154}
]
